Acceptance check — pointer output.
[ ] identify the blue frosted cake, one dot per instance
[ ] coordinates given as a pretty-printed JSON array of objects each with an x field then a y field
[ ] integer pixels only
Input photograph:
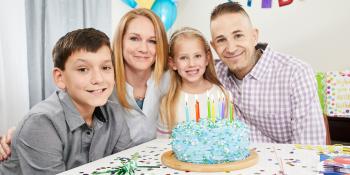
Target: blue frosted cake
[{"x": 210, "y": 142}]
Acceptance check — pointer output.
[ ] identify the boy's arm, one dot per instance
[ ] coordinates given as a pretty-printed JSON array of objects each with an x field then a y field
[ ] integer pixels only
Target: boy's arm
[
  {"x": 39, "y": 147},
  {"x": 124, "y": 141},
  {"x": 307, "y": 120}
]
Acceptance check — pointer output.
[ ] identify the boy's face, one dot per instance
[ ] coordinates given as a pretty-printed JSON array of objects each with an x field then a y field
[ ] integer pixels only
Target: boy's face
[
  {"x": 234, "y": 40},
  {"x": 88, "y": 78}
]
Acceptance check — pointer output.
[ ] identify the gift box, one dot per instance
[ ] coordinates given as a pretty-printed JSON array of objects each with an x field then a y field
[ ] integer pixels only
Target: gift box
[{"x": 337, "y": 93}]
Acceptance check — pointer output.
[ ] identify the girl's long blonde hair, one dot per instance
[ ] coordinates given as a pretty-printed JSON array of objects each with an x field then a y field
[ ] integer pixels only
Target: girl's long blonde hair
[
  {"x": 160, "y": 64},
  {"x": 170, "y": 101}
]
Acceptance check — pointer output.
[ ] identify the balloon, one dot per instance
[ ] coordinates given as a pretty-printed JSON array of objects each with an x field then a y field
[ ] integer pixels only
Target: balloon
[
  {"x": 130, "y": 3},
  {"x": 145, "y": 3},
  {"x": 166, "y": 10}
]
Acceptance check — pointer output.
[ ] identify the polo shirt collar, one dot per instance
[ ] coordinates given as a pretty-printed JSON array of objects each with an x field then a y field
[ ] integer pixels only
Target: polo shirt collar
[{"x": 71, "y": 114}]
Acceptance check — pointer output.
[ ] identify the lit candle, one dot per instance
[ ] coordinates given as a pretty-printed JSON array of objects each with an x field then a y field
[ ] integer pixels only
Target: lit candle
[
  {"x": 231, "y": 112},
  {"x": 187, "y": 112},
  {"x": 208, "y": 103},
  {"x": 222, "y": 107},
  {"x": 212, "y": 109},
  {"x": 197, "y": 109},
  {"x": 218, "y": 104},
  {"x": 231, "y": 106}
]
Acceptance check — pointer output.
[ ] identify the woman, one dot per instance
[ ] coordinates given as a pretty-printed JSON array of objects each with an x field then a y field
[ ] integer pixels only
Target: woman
[{"x": 140, "y": 48}]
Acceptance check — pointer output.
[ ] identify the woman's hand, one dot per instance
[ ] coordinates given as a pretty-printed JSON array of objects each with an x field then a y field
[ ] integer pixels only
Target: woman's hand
[{"x": 5, "y": 143}]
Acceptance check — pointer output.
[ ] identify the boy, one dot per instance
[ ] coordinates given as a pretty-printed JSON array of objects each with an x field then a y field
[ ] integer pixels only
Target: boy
[{"x": 76, "y": 124}]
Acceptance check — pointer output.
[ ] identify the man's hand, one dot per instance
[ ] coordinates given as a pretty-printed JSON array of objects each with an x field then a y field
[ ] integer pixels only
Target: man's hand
[{"x": 5, "y": 143}]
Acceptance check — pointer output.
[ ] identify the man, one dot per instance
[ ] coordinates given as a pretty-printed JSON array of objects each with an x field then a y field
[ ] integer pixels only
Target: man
[{"x": 275, "y": 94}]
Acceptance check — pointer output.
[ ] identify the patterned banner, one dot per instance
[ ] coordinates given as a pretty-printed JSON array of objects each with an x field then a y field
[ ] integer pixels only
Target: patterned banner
[{"x": 268, "y": 3}]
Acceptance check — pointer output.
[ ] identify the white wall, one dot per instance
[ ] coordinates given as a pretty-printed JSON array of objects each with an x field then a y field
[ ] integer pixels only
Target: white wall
[
  {"x": 316, "y": 31},
  {"x": 14, "y": 93}
]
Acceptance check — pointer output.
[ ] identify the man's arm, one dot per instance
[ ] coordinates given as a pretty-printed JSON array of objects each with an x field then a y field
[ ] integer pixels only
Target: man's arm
[
  {"x": 307, "y": 120},
  {"x": 39, "y": 148},
  {"x": 5, "y": 143}
]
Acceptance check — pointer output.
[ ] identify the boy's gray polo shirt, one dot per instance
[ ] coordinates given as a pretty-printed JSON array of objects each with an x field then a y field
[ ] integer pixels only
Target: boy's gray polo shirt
[{"x": 53, "y": 137}]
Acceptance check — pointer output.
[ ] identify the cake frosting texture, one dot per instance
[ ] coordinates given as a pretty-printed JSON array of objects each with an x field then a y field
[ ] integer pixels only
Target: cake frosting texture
[{"x": 208, "y": 142}]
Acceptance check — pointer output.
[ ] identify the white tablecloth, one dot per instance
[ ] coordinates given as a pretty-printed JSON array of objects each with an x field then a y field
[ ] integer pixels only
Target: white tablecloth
[{"x": 273, "y": 159}]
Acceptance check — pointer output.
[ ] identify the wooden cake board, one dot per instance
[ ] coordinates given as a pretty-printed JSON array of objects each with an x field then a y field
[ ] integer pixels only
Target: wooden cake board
[{"x": 169, "y": 159}]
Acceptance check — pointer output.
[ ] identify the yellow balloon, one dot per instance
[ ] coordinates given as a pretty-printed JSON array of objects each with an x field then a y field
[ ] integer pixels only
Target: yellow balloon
[{"x": 145, "y": 3}]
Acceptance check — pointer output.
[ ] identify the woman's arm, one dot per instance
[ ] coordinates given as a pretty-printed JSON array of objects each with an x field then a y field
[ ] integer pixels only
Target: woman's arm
[{"x": 5, "y": 143}]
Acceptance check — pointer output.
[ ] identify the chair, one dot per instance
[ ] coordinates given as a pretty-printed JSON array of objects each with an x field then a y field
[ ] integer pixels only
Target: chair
[{"x": 328, "y": 135}]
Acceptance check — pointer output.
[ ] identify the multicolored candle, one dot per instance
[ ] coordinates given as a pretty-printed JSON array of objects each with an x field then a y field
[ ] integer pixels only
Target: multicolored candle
[
  {"x": 231, "y": 108},
  {"x": 222, "y": 106},
  {"x": 231, "y": 112},
  {"x": 197, "y": 109},
  {"x": 187, "y": 111},
  {"x": 212, "y": 109},
  {"x": 218, "y": 106},
  {"x": 208, "y": 103}
]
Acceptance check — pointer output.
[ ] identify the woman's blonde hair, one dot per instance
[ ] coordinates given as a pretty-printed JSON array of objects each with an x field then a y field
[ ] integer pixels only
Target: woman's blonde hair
[
  {"x": 170, "y": 101},
  {"x": 160, "y": 64}
]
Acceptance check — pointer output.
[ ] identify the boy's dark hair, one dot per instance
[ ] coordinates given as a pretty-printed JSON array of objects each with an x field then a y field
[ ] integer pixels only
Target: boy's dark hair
[
  {"x": 228, "y": 7},
  {"x": 88, "y": 39}
]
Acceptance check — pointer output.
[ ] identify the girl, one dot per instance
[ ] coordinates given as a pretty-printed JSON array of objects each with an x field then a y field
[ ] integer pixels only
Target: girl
[{"x": 193, "y": 76}]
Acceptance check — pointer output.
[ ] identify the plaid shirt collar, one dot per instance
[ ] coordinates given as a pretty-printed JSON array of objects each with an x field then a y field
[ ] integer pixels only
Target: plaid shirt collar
[{"x": 259, "y": 68}]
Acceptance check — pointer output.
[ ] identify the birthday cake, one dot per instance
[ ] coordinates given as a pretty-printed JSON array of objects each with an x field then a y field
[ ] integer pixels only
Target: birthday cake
[{"x": 207, "y": 142}]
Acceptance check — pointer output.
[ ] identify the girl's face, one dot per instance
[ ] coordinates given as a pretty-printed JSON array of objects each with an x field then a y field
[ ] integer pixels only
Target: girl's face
[
  {"x": 190, "y": 59},
  {"x": 139, "y": 44}
]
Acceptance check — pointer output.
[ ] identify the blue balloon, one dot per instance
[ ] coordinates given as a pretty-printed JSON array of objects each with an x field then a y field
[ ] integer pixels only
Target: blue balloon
[
  {"x": 166, "y": 10},
  {"x": 130, "y": 3}
]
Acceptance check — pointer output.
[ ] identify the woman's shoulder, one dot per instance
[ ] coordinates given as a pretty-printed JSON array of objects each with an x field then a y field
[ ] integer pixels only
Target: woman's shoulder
[{"x": 165, "y": 82}]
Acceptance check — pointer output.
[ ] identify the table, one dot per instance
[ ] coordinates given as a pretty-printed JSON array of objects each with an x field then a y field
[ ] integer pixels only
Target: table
[{"x": 273, "y": 159}]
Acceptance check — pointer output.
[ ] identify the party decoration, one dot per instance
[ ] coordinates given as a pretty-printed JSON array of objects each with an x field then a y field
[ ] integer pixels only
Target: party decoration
[
  {"x": 145, "y": 3},
  {"x": 249, "y": 3},
  {"x": 266, "y": 3},
  {"x": 166, "y": 10},
  {"x": 284, "y": 2},
  {"x": 130, "y": 3},
  {"x": 128, "y": 167},
  {"x": 338, "y": 93}
]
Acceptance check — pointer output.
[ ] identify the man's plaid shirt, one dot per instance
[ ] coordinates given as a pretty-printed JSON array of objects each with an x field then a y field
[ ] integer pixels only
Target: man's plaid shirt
[{"x": 278, "y": 100}]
